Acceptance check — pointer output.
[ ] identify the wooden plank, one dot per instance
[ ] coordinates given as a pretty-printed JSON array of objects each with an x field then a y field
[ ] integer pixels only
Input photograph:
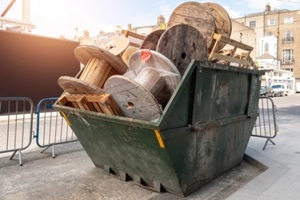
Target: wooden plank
[
  {"x": 75, "y": 101},
  {"x": 132, "y": 34},
  {"x": 230, "y": 59},
  {"x": 242, "y": 61},
  {"x": 231, "y": 42},
  {"x": 103, "y": 103}
]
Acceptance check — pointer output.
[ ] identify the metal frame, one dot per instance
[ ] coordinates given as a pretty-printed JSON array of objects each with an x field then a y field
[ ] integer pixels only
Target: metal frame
[
  {"x": 265, "y": 125},
  {"x": 12, "y": 116},
  {"x": 54, "y": 129}
]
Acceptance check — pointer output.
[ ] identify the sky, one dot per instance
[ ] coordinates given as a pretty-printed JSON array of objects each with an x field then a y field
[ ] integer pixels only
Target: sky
[{"x": 60, "y": 17}]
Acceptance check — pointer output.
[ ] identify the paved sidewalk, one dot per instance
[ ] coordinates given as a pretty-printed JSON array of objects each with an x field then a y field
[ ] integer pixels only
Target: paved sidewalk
[
  {"x": 72, "y": 175},
  {"x": 282, "y": 179}
]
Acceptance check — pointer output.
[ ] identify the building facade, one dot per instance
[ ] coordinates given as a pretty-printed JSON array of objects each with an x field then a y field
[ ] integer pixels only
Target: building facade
[
  {"x": 280, "y": 28},
  {"x": 243, "y": 34}
]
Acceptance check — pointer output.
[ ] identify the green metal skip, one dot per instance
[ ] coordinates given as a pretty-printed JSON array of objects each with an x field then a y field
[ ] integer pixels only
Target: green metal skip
[{"x": 202, "y": 132}]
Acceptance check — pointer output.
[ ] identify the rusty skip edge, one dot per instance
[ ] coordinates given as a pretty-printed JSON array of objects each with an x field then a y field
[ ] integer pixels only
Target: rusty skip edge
[
  {"x": 223, "y": 122},
  {"x": 67, "y": 111}
]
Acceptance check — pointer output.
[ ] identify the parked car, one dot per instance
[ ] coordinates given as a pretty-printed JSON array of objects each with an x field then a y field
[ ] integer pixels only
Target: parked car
[
  {"x": 266, "y": 91},
  {"x": 280, "y": 89}
]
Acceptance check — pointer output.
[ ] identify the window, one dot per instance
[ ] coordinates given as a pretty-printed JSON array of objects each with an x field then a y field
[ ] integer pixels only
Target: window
[
  {"x": 271, "y": 22},
  {"x": 288, "y": 37},
  {"x": 266, "y": 47},
  {"x": 288, "y": 20},
  {"x": 270, "y": 33},
  {"x": 288, "y": 56},
  {"x": 252, "y": 24}
]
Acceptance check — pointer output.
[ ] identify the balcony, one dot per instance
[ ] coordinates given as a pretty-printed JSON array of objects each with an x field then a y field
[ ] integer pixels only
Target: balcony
[
  {"x": 289, "y": 39},
  {"x": 288, "y": 62}
]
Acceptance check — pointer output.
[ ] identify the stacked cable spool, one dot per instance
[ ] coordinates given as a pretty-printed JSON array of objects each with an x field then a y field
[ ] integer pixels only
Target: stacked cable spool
[
  {"x": 85, "y": 91},
  {"x": 143, "y": 91},
  {"x": 189, "y": 32},
  {"x": 138, "y": 82}
]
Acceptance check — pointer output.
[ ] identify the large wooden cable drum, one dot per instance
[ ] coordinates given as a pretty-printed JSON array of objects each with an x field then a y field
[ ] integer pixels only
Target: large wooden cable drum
[
  {"x": 99, "y": 66},
  {"x": 182, "y": 43},
  {"x": 194, "y": 14},
  {"x": 222, "y": 22},
  {"x": 133, "y": 96}
]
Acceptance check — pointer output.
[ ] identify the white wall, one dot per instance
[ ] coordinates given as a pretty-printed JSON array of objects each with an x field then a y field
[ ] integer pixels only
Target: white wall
[{"x": 271, "y": 41}]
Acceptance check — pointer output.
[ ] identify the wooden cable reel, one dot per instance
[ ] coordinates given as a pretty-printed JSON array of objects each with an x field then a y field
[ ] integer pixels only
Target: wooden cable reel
[
  {"x": 182, "y": 43},
  {"x": 138, "y": 98},
  {"x": 207, "y": 17},
  {"x": 194, "y": 14},
  {"x": 116, "y": 46},
  {"x": 133, "y": 98},
  {"x": 150, "y": 42},
  {"x": 222, "y": 22},
  {"x": 99, "y": 66}
]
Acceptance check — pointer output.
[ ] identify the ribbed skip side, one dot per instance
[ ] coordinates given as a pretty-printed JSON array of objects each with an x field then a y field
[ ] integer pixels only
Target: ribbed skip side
[{"x": 202, "y": 133}]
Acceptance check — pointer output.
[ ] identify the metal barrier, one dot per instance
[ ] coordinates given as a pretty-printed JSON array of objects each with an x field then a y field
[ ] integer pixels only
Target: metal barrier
[
  {"x": 51, "y": 127},
  {"x": 265, "y": 125},
  {"x": 16, "y": 116}
]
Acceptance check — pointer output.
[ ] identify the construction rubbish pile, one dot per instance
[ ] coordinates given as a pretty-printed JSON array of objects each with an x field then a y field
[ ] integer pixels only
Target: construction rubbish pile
[{"x": 122, "y": 79}]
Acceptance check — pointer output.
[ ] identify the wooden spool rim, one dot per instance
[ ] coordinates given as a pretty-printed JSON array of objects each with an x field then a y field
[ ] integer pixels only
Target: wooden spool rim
[
  {"x": 222, "y": 22},
  {"x": 223, "y": 15},
  {"x": 128, "y": 83},
  {"x": 84, "y": 53},
  {"x": 200, "y": 17},
  {"x": 158, "y": 60},
  {"x": 151, "y": 40},
  {"x": 76, "y": 86}
]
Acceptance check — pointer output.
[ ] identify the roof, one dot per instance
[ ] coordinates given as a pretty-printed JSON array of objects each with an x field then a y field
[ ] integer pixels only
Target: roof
[
  {"x": 265, "y": 56},
  {"x": 266, "y": 13}
]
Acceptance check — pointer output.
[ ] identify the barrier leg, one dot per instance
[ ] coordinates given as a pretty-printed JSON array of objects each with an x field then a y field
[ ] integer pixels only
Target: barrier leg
[
  {"x": 20, "y": 158},
  {"x": 268, "y": 140},
  {"x": 13, "y": 155},
  {"x": 53, "y": 151}
]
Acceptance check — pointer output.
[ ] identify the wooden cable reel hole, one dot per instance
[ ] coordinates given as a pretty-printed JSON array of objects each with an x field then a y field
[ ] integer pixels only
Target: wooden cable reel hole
[{"x": 99, "y": 66}]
